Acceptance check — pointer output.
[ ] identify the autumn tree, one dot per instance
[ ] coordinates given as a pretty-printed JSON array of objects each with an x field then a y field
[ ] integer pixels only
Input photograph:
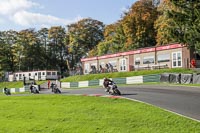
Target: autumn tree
[
  {"x": 104, "y": 47},
  {"x": 138, "y": 25},
  {"x": 83, "y": 37},
  {"x": 164, "y": 25},
  {"x": 114, "y": 39}
]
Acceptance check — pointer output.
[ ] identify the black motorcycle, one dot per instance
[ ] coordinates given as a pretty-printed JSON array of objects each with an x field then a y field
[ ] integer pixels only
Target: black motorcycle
[
  {"x": 34, "y": 89},
  {"x": 7, "y": 91},
  {"x": 55, "y": 89},
  {"x": 113, "y": 90}
]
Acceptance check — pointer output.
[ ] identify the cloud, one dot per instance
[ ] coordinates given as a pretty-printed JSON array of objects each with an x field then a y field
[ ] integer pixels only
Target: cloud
[
  {"x": 10, "y": 7},
  {"x": 18, "y": 11},
  {"x": 25, "y": 18},
  {"x": 2, "y": 21}
]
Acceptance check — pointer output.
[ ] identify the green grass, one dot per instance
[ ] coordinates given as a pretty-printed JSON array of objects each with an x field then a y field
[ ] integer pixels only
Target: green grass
[
  {"x": 124, "y": 74},
  {"x": 17, "y": 84},
  {"x": 84, "y": 114}
]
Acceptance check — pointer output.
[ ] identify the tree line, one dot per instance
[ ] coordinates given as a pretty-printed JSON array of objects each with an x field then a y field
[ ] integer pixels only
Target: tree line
[{"x": 61, "y": 48}]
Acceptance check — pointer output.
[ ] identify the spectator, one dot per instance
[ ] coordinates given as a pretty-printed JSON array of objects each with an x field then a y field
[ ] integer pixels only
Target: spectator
[
  {"x": 110, "y": 67},
  {"x": 49, "y": 83},
  {"x": 107, "y": 68},
  {"x": 101, "y": 69},
  {"x": 193, "y": 63}
]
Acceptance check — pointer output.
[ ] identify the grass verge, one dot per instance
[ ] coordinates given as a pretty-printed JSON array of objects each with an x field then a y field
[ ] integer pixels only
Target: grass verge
[
  {"x": 16, "y": 84},
  {"x": 84, "y": 114}
]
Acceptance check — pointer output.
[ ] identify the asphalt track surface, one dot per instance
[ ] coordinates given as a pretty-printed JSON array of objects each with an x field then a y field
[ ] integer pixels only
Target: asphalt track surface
[{"x": 179, "y": 99}]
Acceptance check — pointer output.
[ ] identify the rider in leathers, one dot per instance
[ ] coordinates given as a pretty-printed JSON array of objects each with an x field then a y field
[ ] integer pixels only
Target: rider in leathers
[{"x": 107, "y": 84}]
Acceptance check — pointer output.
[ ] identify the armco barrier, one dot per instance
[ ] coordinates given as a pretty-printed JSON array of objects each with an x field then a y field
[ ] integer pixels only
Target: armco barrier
[
  {"x": 151, "y": 78},
  {"x": 127, "y": 80},
  {"x": 74, "y": 84},
  {"x": 93, "y": 83},
  {"x": 134, "y": 80},
  {"x": 83, "y": 84},
  {"x": 14, "y": 90},
  {"x": 119, "y": 80}
]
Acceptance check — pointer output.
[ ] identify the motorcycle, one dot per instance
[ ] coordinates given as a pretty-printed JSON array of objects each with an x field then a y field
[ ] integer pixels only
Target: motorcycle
[
  {"x": 7, "y": 91},
  {"x": 34, "y": 89},
  {"x": 55, "y": 89},
  {"x": 113, "y": 90}
]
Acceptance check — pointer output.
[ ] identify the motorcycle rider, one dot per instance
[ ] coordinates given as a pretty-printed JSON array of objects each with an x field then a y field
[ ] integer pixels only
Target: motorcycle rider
[
  {"x": 52, "y": 86},
  {"x": 107, "y": 84},
  {"x": 7, "y": 91}
]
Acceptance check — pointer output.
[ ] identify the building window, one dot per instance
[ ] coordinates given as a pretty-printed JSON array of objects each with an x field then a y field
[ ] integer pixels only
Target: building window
[
  {"x": 35, "y": 74},
  {"x": 176, "y": 59},
  {"x": 48, "y": 73},
  {"x": 113, "y": 63},
  {"x": 163, "y": 58},
  {"x": 43, "y": 73},
  {"x": 148, "y": 60},
  {"x": 137, "y": 61},
  {"x": 20, "y": 76},
  {"x": 29, "y": 74},
  {"x": 86, "y": 68},
  {"x": 123, "y": 64},
  {"x": 53, "y": 73}
]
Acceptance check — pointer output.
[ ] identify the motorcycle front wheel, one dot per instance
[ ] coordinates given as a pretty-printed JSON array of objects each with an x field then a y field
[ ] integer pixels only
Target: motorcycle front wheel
[{"x": 117, "y": 92}]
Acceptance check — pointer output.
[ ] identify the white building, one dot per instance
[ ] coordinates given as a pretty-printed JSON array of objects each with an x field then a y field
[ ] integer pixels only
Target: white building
[{"x": 36, "y": 75}]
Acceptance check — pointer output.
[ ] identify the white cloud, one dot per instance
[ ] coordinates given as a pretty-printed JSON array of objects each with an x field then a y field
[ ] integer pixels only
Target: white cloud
[
  {"x": 18, "y": 11},
  {"x": 1, "y": 21},
  {"x": 9, "y": 7},
  {"x": 25, "y": 18}
]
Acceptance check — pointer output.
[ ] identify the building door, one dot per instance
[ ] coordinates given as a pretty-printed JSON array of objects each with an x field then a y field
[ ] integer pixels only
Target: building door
[
  {"x": 176, "y": 59},
  {"x": 39, "y": 75},
  {"x": 123, "y": 66}
]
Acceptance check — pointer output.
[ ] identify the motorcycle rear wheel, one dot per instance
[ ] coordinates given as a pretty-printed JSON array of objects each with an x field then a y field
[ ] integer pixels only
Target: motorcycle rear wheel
[{"x": 116, "y": 91}]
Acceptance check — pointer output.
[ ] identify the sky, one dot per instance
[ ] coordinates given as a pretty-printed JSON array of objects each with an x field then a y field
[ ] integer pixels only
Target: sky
[{"x": 22, "y": 14}]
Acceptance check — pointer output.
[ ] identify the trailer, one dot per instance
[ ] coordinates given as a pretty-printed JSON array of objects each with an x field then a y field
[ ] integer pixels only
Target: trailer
[{"x": 34, "y": 75}]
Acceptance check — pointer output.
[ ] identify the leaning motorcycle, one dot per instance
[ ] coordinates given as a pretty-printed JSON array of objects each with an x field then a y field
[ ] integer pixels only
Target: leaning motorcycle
[
  {"x": 34, "y": 89},
  {"x": 113, "y": 90},
  {"x": 7, "y": 91},
  {"x": 55, "y": 89}
]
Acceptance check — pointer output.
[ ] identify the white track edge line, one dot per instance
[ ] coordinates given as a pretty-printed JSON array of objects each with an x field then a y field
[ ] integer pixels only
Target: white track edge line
[{"x": 163, "y": 109}]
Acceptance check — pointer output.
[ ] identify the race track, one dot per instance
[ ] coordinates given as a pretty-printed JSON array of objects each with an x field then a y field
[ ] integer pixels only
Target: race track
[{"x": 179, "y": 99}]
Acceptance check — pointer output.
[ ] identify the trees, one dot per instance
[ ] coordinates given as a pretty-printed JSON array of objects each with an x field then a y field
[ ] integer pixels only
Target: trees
[
  {"x": 164, "y": 25},
  {"x": 30, "y": 56},
  {"x": 8, "y": 51},
  {"x": 57, "y": 48},
  {"x": 141, "y": 26},
  {"x": 187, "y": 18},
  {"x": 84, "y": 37},
  {"x": 134, "y": 30},
  {"x": 114, "y": 39},
  {"x": 138, "y": 25}
]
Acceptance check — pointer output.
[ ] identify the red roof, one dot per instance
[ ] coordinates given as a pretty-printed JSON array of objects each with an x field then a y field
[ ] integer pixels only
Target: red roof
[{"x": 143, "y": 50}]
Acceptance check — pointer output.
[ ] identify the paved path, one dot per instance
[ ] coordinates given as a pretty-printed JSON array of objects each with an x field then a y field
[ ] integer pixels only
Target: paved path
[{"x": 179, "y": 99}]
